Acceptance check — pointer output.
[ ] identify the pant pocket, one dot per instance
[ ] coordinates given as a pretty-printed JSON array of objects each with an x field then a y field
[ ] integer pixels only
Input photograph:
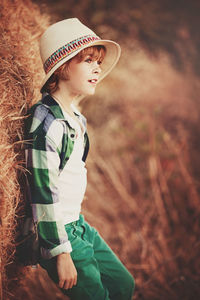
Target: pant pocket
[
  {"x": 83, "y": 233},
  {"x": 71, "y": 233}
]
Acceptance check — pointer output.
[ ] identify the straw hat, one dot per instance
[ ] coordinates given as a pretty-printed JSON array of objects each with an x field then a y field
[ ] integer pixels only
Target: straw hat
[{"x": 65, "y": 39}]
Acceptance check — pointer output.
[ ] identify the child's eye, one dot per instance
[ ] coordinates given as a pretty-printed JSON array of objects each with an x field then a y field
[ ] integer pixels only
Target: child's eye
[
  {"x": 88, "y": 60},
  {"x": 99, "y": 62}
]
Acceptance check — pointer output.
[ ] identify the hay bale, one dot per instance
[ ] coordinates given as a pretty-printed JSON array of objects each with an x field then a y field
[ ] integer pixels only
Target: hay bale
[{"x": 21, "y": 25}]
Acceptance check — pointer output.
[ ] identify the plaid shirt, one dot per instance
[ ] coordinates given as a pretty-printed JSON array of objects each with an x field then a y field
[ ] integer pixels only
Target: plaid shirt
[{"x": 50, "y": 143}]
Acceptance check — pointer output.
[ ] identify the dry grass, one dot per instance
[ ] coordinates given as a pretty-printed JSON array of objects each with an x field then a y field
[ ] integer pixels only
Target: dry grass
[
  {"x": 143, "y": 167},
  {"x": 19, "y": 61}
]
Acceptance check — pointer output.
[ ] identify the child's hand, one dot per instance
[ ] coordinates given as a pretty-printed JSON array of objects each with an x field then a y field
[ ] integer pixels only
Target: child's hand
[{"x": 67, "y": 273}]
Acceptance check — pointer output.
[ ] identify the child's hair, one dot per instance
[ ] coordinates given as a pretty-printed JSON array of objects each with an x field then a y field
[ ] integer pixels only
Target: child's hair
[{"x": 96, "y": 53}]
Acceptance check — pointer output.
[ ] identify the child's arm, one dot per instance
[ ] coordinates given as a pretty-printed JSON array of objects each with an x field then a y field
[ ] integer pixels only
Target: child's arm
[{"x": 43, "y": 161}]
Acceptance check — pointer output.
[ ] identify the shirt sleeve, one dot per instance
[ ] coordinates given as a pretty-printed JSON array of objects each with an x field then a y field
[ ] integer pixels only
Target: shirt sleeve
[{"x": 43, "y": 161}]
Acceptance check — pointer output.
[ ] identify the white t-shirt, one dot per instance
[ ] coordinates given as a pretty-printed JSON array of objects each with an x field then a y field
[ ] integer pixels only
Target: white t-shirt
[{"x": 73, "y": 178}]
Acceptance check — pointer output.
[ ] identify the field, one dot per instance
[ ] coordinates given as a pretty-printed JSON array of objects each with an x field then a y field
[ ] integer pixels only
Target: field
[{"x": 143, "y": 166}]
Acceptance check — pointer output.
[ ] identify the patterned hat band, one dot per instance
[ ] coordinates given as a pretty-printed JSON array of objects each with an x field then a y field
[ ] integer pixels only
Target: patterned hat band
[{"x": 68, "y": 49}]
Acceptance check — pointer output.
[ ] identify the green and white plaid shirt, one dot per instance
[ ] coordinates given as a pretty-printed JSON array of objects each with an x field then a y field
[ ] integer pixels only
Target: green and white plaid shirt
[{"x": 50, "y": 144}]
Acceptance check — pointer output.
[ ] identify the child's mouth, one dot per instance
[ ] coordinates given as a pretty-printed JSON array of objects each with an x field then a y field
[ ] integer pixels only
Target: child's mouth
[{"x": 93, "y": 81}]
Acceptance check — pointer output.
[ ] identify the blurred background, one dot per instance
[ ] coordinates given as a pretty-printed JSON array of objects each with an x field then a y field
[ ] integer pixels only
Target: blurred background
[{"x": 143, "y": 122}]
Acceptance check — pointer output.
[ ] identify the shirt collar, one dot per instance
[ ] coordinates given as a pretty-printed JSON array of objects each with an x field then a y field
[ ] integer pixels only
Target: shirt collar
[
  {"x": 53, "y": 106},
  {"x": 56, "y": 110}
]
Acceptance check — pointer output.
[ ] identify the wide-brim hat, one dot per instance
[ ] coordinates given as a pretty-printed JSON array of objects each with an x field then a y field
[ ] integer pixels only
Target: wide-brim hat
[{"x": 65, "y": 39}]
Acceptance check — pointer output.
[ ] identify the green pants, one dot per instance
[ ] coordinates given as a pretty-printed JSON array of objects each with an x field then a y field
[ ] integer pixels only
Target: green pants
[{"x": 101, "y": 275}]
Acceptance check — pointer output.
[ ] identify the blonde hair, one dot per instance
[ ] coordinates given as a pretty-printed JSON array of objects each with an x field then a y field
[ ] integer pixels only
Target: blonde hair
[{"x": 96, "y": 53}]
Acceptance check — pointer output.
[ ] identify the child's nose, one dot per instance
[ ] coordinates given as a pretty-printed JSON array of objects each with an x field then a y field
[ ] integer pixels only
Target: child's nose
[{"x": 97, "y": 68}]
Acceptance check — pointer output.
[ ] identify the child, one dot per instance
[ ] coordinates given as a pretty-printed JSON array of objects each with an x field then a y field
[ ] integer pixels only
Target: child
[{"x": 73, "y": 253}]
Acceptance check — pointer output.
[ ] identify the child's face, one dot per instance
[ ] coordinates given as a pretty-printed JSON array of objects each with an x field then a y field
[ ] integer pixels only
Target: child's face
[{"x": 83, "y": 76}]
